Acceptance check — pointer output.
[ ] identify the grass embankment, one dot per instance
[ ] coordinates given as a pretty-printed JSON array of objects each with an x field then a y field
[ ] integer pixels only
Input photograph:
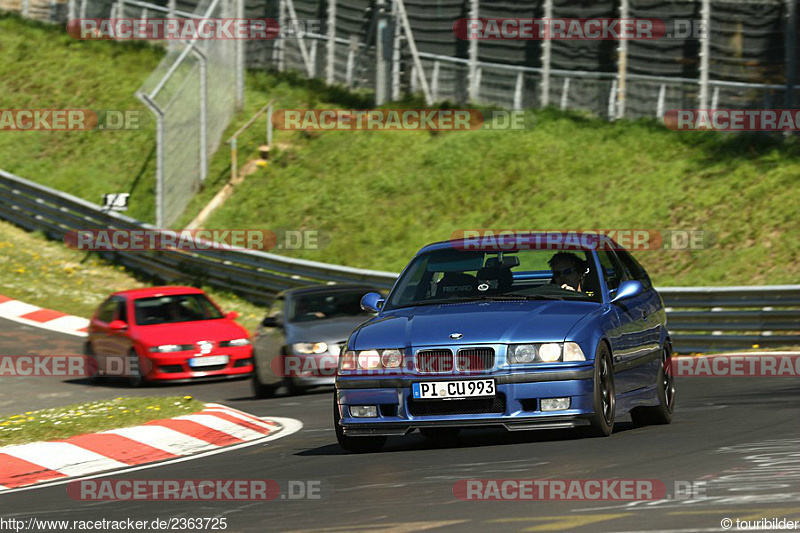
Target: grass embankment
[
  {"x": 77, "y": 419},
  {"x": 380, "y": 196},
  {"x": 43, "y": 272}
]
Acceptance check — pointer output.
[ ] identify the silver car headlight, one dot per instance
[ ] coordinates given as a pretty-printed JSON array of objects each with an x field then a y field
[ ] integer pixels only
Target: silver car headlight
[{"x": 306, "y": 348}]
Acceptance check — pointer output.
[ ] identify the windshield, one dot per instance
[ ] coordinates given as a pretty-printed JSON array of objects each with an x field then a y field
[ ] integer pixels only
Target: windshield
[
  {"x": 174, "y": 308},
  {"x": 317, "y": 306},
  {"x": 445, "y": 276}
]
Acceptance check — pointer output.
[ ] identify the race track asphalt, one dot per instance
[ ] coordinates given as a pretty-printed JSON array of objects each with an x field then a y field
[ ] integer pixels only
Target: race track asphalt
[{"x": 736, "y": 439}]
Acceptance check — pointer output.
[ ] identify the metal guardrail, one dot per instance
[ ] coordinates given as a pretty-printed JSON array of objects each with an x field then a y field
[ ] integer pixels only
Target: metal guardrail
[{"x": 700, "y": 318}]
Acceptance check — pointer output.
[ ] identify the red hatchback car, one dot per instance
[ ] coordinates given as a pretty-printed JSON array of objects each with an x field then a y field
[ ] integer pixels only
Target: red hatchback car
[{"x": 167, "y": 333}]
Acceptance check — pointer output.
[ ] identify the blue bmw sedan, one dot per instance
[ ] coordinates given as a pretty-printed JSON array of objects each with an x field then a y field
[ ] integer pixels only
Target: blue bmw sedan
[{"x": 516, "y": 338}]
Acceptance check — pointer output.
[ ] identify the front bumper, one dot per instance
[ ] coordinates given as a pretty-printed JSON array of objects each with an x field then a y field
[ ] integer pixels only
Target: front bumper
[
  {"x": 516, "y": 407},
  {"x": 175, "y": 366}
]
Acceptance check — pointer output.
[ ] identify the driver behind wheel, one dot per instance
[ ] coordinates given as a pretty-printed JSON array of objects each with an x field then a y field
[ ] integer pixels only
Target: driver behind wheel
[{"x": 568, "y": 271}]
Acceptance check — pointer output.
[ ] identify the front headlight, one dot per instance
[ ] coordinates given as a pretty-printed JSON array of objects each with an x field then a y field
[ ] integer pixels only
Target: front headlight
[
  {"x": 573, "y": 352},
  {"x": 166, "y": 348},
  {"x": 310, "y": 347},
  {"x": 371, "y": 359},
  {"x": 235, "y": 342},
  {"x": 549, "y": 352},
  {"x": 521, "y": 353}
]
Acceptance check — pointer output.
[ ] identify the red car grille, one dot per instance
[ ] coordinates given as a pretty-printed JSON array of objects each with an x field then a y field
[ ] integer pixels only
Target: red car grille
[{"x": 434, "y": 361}]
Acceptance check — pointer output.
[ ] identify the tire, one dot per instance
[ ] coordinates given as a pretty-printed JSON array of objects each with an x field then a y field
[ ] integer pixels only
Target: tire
[
  {"x": 136, "y": 379},
  {"x": 605, "y": 402},
  {"x": 262, "y": 390},
  {"x": 661, "y": 413},
  {"x": 291, "y": 388},
  {"x": 354, "y": 444},
  {"x": 440, "y": 435}
]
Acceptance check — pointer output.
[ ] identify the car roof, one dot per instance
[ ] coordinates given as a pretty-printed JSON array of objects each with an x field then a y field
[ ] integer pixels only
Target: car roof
[
  {"x": 150, "y": 292},
  {"x": 323, "y": 288},
  {"x": 469, "y": 243}
]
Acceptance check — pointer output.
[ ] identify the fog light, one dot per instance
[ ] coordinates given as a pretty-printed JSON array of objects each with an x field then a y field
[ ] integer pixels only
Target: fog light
[
  {"x": 555, "y": 404},
  {"x": 364, "y": 411}
]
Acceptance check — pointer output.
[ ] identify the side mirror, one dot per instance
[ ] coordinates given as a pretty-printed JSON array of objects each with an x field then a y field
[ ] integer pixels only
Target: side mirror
[
  {"x": 117, "y": 325},
  {"x": 628, "y": 289},
  {"x": 270, "y": 322},
  {"x": 233, "y": 315},
  {"x": 372, "y": 302}
]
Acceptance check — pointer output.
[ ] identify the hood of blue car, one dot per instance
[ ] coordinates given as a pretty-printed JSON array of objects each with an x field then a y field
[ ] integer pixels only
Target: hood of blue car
[{"x": 477, "y": 322}]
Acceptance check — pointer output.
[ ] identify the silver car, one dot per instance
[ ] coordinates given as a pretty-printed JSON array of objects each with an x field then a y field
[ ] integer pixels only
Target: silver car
[{"x": 297, "y": 344}]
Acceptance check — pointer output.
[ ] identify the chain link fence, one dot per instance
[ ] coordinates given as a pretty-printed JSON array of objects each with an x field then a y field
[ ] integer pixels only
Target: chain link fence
[
  {"x": 745, "y": 59},
  {"x": 745, "y": 53},
  {"x": 193, "y": 93}
]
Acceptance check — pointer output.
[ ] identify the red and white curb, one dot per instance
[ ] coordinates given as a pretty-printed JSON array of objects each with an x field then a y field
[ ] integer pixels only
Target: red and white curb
[
  {"x": 39, "y": 317},
  {"x": 215, "y": 428}
]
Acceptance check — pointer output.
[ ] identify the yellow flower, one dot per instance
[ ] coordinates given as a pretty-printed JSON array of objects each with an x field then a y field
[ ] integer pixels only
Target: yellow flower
[{"x": 187, "y": 397}]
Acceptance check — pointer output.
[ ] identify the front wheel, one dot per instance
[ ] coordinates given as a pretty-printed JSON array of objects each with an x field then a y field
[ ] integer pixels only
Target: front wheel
[
  {"x": 136, "y": 374},
  {"x": 605, "y": 402},
  {"x": 661, "y": 413},
  {"x": 354, "y": 444},
  {"x": 92, "y": 364},
  {"x": 261, "y": 390}
]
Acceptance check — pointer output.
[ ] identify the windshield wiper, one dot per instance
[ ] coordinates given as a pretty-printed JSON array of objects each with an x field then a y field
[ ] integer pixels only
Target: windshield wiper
[
  {"x": 513, "y": 296},
  {"x": 483, "y": 298}
]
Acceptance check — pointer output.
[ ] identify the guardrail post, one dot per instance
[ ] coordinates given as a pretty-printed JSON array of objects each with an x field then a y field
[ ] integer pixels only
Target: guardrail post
[
  {"x": 660, "y": 105},
  {"x": 312, "y": 55},
  {"x": 705, "y": 52},
  {"x": 715, "y": 98},
  {"x": 473, "y": 79},
  {"x": 622, "y": 61},
  {"x": 791, "y": 53},
  {"x": 240, "y": 59},
  {"x": 612, "y": 100},
  {"x": 435, "y": 82},
  {"x": 71, "y": 10},
  {"x": 565, "y": 94},
  {"x": 518, "y": 89},
  {"x": 395, "y": 53},
  {"x": 380, "y": 53},
  {"x": 280, "y": 42},
  {"x": 351, "y": 55},
  {"x": 547, "y": 47}
]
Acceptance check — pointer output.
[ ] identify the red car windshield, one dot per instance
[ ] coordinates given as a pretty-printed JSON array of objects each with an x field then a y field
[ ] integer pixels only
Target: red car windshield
[{"x": 174, "y": 308}]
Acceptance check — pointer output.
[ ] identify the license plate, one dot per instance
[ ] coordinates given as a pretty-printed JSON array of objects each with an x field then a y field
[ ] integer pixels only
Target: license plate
[
  {"x": 208, "y": 360},
  {"x": 448, "y": 390}
]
